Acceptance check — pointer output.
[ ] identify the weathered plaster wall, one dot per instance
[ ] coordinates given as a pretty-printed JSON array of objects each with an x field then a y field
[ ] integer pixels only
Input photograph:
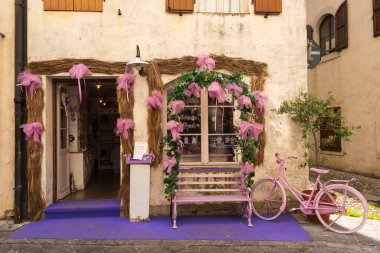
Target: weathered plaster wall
[
  {"x": 277, "y": 40},
  {"x": 6, "y": 108},
  {"x": 353, "y": 77}
]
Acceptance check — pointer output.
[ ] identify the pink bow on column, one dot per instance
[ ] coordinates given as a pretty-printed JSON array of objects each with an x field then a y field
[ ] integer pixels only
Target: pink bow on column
[
  {"x": 175, "y": 128},
  {"x": 125, "y": 82},
  {"x": 261, "y": 98},
  {"x": 78, "y": 71},
  {"x": 215, "y": 90},
  {"x": 155, "y": 101},
  {"x": 234, "y": 88},
  {"x": 193, "y": 89},
  {"x": 176, "y": 106},
  {"x": 255, "y": 128},
  {"x": 32, "y": 82},
  {"x": 169, "y": 163},
  {"x": 33, "y": 130},
  {"x": 123, "y": 126},
  {"x": 244, "y": 101},
  {"x": 204, "y": 61},
  {"x": 246, "y": 168}
]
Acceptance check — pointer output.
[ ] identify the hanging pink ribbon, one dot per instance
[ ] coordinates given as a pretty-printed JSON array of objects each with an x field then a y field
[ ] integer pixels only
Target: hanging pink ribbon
[
  {"x": 169, "y": 163},
  {"x": 204, "y": 61},
  {"x": 244, "y": 102},
  {"x": 33, "y": 130},
  {"x": 255, "y": 128},
  {"x": 155, "y": 100},
  {"x": 123, "y": 126},
  {"x": 77, "y": 72},
  {"x": 234, "y": 88},
  {"x": 175, "y": 128},
  {"x": 215, "y": 90},
  {"x": 193, "y": 89},
  {"x": 176, "y": 106},
  {"x": 30, "y": 81},
  {"x": 125, "y": 82},
  {"x": 261, "y": 98},
  {"x": 246, "y": 168}
]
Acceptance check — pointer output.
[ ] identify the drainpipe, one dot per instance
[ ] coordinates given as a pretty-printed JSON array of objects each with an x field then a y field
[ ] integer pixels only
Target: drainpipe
[{"x": 21, "y": 186}]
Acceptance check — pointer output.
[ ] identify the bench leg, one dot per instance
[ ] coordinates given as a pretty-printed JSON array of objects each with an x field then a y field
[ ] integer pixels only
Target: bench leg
[
  {"x": 174, "y": 215},
  {"x": 249, "y": 214}
]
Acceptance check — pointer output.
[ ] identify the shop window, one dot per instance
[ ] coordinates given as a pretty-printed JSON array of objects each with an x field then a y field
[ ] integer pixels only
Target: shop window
[
  {"x": 376, "y": 18},
  {"x": 223, "y": 6},
  {"x": 268, "y": 7},
  {"x": 341, "y": 27},
  {"x": 179, "y": 6},
  {"x": 73, "y": 5},
  {"x": 328, "y": 135},
  {"x": 327, "y": 35},
  {"x": 209, "y": 134}
]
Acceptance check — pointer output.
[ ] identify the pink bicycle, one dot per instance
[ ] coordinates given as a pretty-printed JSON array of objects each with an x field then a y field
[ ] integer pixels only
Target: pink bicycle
[{"x": 334, "y": 199}]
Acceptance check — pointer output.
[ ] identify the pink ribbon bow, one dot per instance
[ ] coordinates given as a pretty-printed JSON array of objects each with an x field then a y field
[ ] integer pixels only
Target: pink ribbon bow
[
  {"x": 244, "y": 101},
  {"x": 261, "y": 98},
  {"x": 169, "y": 163},
  {"x": 176, "y": 106},
  {"x": 123, "y": 126},
  {"x": 155, "y": 101},
  {"x": 32, "y": 82},
  {"x": 204, "y": 61},
  {"x": 255, "y": 128},
  {"x": 33, "y": 130},
  {"x": 175, "y": 128},
  {"x": 78, "y": 71},
  {"x": 193, "y": 89},
  {"x": 215, "y": 90},
  {"x": 125, "y": 82},
  {"x": 246, "y": 168},
  {"x": 234, "y": 88}
]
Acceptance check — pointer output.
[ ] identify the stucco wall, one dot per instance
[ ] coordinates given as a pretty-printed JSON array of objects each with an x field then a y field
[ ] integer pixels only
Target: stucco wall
[
  {"x": 6, "y": 108},
  {"x": 278, "y": 41},
  {"x": 353, "y": 75}
]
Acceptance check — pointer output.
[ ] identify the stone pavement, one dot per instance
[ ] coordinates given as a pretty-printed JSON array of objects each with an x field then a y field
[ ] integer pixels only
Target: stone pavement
[{"x": 366, "y": 240}]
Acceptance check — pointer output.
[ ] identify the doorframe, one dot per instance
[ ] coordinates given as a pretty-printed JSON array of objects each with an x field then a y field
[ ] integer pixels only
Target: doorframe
[{"x": 55, "y": 135}]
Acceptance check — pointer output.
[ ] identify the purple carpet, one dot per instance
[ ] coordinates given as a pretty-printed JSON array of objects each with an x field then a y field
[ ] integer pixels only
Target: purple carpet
[{"x": 285, "y": 228}]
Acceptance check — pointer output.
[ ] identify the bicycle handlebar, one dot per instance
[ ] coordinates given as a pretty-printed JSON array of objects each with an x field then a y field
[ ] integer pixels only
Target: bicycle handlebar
[{"x": 277, "y": 155}]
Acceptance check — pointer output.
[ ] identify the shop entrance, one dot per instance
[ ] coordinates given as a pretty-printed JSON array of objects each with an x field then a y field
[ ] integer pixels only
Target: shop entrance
[{"x": 87, "y": 149}]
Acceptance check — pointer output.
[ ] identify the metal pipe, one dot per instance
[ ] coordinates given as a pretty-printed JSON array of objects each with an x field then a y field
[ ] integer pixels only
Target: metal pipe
[{"x": 20, "y": 194}]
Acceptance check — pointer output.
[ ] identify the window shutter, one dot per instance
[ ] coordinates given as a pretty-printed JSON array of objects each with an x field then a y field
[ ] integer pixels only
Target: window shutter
[
  {"x": 88, "y": 5},
  {"x": 179, "y": 6},
  {"x": 376, "y": 18},
  {"x": 268, "y": 6},
  {"x": 58, "y": 5},
  {"x": 310, "y": 32},
  {"x": 341, "y": 27}
]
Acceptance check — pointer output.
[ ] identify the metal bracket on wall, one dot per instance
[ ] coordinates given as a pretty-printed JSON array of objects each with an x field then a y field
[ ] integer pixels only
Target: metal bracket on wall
[{"x": 2, "y": 35}]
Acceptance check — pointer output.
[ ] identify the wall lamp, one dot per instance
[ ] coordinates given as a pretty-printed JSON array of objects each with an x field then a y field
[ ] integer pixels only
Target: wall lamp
[{"x": 138, "y": 64}]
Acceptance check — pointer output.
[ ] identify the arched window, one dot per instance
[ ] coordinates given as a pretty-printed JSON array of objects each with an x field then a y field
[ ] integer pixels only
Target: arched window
[{"x": 327, "y": 35}]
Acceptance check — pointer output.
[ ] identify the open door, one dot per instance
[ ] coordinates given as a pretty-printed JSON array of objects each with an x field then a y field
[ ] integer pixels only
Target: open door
[{"x": 63, "y": 170}]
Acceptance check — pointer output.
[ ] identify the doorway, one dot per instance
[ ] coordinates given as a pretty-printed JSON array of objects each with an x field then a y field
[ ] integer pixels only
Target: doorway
[{"x": 87, "y": 152}]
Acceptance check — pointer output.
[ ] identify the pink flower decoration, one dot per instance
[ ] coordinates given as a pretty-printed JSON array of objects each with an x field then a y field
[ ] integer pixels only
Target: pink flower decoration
[
  {"x": 215, "y": 90},
  {"x": 246, "y": 168},
  {"x": 77, "y": 72},
  {"x": 193, "y": 89},
  {"x": 123, "y": 126},
  {"x": 32, "y": 82},
  {"x": 244, "y": 102},
  {"x": 261, "y": 98},
  {"x": 33, "y": 130},
  {"x": 155, "y": 101},
  {"x": 169, "y": 163},
  {"x": 125, "y": 82},
  {"x": 176, "y": 106},
  {"x": 255, "y": 128},
  {"x": 204, "y": 61},
  {"x": 234, "y": 88},
  {"x": 175, "y": 128}
]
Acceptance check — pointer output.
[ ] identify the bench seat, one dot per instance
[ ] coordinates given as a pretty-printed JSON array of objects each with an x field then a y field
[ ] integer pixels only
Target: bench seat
[{"x": 210, "y": 198}]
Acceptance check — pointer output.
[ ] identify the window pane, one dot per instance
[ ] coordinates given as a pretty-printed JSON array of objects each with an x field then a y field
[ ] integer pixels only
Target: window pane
[
  {"x": 213, "y": 102},
  {"x": 191, "y": 148},
  {"x": 221, "y": 148},
  {"x": 191, "y": 118},
  {"x": 187, "y": 100},
  {"x": 63, "y": 138},
  {"x": 221, "y": 120}
]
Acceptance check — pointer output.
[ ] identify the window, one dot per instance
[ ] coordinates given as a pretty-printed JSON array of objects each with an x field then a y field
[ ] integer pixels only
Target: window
[
  {"x": 179, "y": 6},
  {"x": 268, "y": 6},
  {"x": 328, "y": 132},
  {"x": 327, "y": 35},
  {"x": 376, "y": 18},
  {"x": 223, "y": 6},
  {"x": 341, "y": 27},
  {"x": 209, "y": 133},
  {"x": 73, "y": 5}
]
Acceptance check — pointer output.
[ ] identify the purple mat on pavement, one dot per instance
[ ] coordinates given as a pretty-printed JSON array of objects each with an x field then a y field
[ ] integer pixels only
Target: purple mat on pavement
[{"x": 285, "y": 228}]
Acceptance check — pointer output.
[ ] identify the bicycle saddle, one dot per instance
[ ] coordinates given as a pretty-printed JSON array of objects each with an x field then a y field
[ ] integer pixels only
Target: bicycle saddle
[{"x": 319, "y": 171}]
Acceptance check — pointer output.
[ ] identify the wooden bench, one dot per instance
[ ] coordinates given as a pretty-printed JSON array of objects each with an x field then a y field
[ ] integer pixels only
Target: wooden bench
[{"x": 211, "y": 185}]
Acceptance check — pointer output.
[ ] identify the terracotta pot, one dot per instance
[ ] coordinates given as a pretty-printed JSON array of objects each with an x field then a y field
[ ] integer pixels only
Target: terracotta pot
[{"x": 313, "y": 217}]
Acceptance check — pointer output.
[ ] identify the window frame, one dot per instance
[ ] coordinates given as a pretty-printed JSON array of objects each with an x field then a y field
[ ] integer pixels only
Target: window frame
[
  {"x": 376, "y": 15},
  {"x": 243, "y": 8},
  {"x": 330, "y": 18}
]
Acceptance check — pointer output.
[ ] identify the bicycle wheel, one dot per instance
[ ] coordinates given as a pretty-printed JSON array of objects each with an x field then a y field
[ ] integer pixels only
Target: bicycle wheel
[
  {"x": 347, "y": 207},
  {"x": 267, "y": 199}
]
